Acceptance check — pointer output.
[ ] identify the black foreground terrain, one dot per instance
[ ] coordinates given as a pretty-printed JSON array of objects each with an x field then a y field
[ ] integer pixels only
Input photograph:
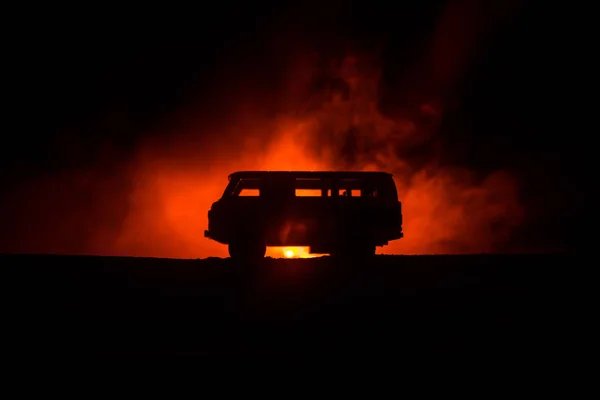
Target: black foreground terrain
[{"x": 488, "y": 307}]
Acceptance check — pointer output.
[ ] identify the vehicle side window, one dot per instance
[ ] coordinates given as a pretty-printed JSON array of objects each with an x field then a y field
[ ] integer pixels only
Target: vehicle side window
[
  {"x": 350, "y": 193},
  {"x": 311, "y": 188},
  {"x": 309, "y": 193},
  {"x": 369, "y": 192},
  {"x": 249, "y": 192},
  {"x": 349, "y": 188}
]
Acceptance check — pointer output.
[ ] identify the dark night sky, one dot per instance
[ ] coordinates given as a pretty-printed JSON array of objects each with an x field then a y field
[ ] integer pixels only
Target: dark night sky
[{"x": 85, "y": 86}]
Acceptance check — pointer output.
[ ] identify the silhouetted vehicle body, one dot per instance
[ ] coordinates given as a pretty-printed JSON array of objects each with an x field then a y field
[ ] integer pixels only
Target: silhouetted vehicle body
[{"x": 340, "y": 213}]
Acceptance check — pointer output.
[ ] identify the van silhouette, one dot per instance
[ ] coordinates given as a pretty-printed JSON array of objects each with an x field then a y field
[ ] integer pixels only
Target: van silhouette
[{"x": 332, "y": 212}]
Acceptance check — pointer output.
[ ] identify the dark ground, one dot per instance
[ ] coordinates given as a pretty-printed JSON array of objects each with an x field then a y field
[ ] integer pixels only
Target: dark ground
[{"x": 491, "y": 308}]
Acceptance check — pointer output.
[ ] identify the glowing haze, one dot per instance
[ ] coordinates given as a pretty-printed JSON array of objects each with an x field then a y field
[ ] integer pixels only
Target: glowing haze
[{"x": 446, "y": 210}]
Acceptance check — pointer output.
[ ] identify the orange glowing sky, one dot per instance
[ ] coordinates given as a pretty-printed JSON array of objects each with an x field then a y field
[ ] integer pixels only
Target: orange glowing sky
[{"x": 180, "y": 168}]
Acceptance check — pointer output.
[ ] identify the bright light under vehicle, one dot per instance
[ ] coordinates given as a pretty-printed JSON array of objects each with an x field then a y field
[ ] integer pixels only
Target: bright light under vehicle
[{"x": 296, "y": 252}]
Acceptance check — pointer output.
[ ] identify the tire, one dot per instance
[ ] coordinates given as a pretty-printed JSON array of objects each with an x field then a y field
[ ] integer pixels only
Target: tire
[
  {"x": 354, "y": 251},
  {"x": 247, "y": 251}
]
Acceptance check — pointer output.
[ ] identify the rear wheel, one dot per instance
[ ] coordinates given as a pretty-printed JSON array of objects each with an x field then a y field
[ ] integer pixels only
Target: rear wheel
[{"x": 354, "y": 251}]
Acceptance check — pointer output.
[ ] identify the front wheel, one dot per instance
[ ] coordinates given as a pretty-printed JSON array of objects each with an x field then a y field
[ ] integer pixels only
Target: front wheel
[{"x": 247, "y": 251}]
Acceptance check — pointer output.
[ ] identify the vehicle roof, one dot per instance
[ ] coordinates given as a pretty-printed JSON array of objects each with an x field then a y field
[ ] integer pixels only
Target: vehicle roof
[{"x": 310, "y": 174}]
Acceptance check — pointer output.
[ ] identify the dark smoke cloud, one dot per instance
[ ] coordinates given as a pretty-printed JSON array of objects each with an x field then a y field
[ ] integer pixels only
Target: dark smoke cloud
[{"x": 447, "y": 209}]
